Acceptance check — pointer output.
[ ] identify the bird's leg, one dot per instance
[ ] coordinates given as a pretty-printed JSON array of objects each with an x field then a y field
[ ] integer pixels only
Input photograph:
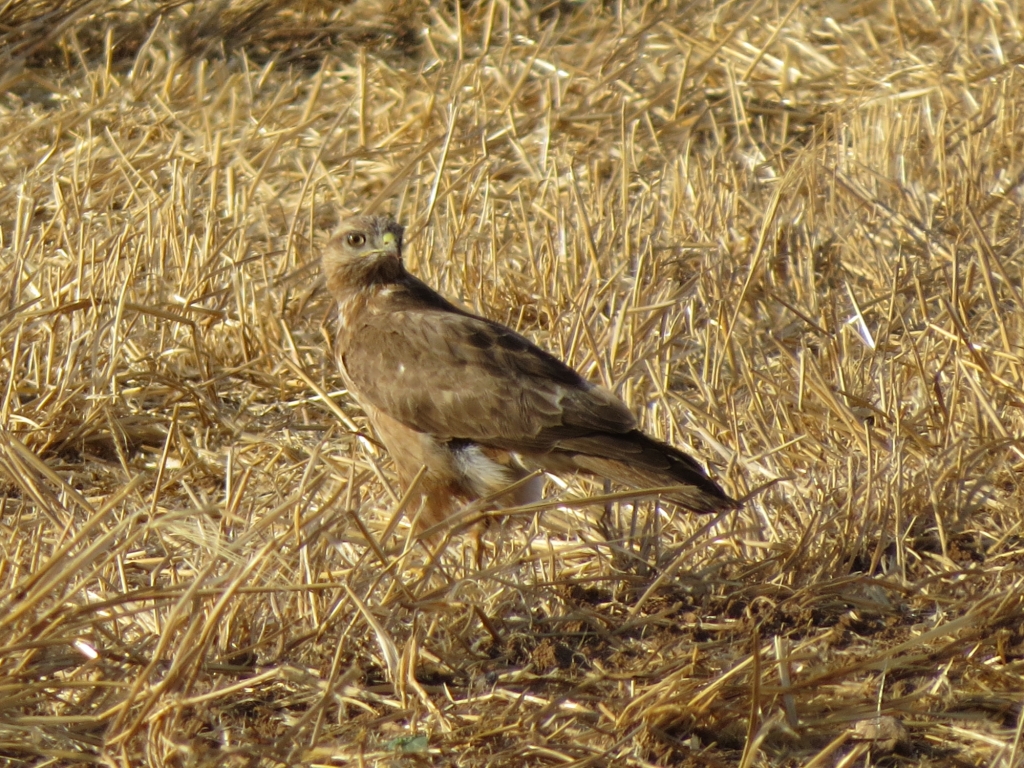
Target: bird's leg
[
  {"x": 476, "y": 534},
  {"x": 606, "y": 524},
  {"x": 428, "y": 524}
]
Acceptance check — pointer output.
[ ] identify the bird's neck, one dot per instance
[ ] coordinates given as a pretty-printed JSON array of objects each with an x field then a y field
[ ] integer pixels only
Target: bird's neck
[
  {"x": 349, "y": 280},
  {"x": 364, "y": 291}
]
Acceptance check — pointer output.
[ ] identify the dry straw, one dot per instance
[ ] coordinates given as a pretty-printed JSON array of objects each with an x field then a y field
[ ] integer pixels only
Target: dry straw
[{"x": 788, "y": 235}]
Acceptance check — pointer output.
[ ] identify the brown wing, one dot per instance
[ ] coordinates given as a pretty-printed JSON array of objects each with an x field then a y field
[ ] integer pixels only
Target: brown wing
[
  {"x": 455, "y": 375},
  {"x": 643, "y": 462}
]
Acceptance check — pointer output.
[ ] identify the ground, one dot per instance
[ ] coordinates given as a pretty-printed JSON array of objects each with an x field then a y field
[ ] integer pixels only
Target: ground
[{"x": 789, "y": 237}]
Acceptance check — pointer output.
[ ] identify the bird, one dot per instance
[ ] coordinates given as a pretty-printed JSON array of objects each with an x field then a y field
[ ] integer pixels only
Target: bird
[{"x": 470, "y": 407}]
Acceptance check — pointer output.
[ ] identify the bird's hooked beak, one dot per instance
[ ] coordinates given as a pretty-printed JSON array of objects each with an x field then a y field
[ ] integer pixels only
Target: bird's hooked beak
[{"x": 390, "y": 243}]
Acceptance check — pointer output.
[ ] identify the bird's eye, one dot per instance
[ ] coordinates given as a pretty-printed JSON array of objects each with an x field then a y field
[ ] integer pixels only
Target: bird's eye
[{"x": 356, "y": 239}]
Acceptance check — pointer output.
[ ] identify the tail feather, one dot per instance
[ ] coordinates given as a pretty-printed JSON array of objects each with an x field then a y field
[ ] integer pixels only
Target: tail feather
[{"x": 640, "y": 461}]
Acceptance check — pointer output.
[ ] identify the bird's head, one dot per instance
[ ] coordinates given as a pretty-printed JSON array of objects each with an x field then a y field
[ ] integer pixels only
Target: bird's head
[{"x": 364, "y": 250}]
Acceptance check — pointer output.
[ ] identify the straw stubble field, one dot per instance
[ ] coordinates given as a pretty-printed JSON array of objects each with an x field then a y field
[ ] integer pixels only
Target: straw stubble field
[{"x": 788, "y": 236}]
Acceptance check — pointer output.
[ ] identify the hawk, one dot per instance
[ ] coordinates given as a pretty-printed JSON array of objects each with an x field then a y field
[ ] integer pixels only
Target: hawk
[{"x": 471, "y": 402}]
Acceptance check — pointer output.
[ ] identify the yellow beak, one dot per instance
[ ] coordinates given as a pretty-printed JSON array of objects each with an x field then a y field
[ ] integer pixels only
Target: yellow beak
[{"x": 390, "y": 243}]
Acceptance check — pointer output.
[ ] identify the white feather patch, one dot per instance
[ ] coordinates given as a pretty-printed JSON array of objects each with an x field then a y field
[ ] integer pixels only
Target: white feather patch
[{"x": 484, "y": 475}]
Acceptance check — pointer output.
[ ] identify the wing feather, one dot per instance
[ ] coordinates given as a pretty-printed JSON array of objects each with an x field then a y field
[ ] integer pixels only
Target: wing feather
[{"x": 455, "y": 375}]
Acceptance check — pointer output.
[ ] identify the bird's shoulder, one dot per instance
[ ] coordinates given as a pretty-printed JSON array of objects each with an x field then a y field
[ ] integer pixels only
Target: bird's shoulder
[{"x": 411, "y": 312}]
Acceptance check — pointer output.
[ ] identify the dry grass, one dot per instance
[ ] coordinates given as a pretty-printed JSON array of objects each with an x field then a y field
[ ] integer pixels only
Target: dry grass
[{"x": 788, "y": 236}]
